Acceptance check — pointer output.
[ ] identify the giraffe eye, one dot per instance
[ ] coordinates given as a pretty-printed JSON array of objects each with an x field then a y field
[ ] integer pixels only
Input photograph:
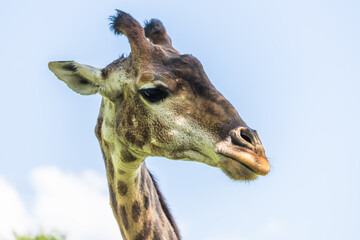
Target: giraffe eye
[{"x": 154, "y": 94}]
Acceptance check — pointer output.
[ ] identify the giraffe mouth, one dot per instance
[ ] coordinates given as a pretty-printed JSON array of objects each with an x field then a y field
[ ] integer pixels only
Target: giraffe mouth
[{"x": 240, "y": 163}]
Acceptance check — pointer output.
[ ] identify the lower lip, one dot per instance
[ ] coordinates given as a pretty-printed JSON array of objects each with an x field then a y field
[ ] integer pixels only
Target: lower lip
[
  {"x": 237, "y": 161},
  {"x": 249, "y": 161}
]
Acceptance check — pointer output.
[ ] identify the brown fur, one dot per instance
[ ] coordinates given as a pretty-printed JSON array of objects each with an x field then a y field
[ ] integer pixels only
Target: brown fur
[{"x": 165, "y": 208}]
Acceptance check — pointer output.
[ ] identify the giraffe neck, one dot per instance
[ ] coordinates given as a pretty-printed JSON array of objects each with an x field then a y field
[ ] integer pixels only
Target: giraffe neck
[
  {"x": 136, "y": 202},
  {"x": 139, "y": 207}
]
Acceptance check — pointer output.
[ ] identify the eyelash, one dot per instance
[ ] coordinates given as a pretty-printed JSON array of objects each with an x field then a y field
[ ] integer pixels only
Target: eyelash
[{"x": 154, "y": 95}]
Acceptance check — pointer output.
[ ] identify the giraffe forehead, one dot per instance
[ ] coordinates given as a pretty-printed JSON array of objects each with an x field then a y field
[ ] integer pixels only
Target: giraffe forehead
[{"x": 154, "y": 78}]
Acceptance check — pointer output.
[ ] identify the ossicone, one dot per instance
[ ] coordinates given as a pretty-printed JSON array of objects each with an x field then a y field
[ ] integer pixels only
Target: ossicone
[{"x": 123, "y": 23}]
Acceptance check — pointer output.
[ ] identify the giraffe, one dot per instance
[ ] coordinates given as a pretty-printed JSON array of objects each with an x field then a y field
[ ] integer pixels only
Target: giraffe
[{"x": 158, "y": 102}]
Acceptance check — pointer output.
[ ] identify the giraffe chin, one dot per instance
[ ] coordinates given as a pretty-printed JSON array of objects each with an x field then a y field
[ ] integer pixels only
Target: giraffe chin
[{"x": 236, "y": 170}]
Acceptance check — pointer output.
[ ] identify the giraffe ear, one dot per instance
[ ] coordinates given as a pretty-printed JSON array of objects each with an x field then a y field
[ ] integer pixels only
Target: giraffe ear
[{"x": 83, "y": 79}]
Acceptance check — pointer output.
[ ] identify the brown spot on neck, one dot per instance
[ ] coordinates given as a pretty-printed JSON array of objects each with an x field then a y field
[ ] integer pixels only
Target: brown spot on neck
[
  {"x": 135, "y": 211},
  {"x": 145, "y": 231},
  {"x": 146, "y": 202},
  {"x": 122, "y": 188},
  {"x": 124, "y": 218}
]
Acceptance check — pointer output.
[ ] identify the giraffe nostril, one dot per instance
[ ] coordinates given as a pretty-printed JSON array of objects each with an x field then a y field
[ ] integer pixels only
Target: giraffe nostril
[{"x": 245, "y": 137}]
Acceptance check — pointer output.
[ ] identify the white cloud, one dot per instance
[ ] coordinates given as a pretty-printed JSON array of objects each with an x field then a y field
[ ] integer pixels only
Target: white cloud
[
  {"x": 76, "y": 205},
  {"x": 13, "y": 216}
]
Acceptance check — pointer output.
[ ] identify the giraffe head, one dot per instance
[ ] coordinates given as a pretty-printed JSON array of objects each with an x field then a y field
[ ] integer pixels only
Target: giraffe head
[{"x": 161, "y": 103}]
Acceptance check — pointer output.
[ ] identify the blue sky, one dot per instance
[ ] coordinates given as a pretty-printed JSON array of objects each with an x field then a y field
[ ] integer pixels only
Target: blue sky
[{"x": 290, "y": 68}]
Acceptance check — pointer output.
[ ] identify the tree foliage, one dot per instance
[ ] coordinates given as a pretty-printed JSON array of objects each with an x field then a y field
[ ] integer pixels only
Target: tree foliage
[{"x": 53, "y": 236}]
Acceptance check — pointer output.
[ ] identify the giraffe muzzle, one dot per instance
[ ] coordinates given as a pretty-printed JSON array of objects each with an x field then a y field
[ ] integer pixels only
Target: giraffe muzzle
[{"x": 243, "y": 155}]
